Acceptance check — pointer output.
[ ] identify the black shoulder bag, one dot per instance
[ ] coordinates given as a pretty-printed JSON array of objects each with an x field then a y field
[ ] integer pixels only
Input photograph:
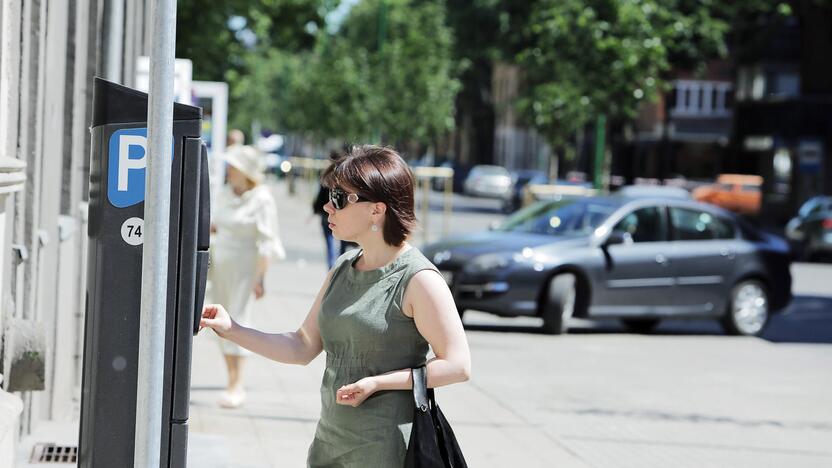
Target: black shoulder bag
[{"x": 432, "y": 442}]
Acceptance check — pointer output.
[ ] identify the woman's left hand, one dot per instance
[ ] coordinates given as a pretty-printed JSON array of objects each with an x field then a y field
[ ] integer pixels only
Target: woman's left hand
[
  {"x": 259, "y": 290},
  {"x": 355, "y": 393}
]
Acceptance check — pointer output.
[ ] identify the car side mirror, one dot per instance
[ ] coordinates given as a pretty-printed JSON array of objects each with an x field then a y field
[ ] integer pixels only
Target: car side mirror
[{"x": 617, "y": 238}]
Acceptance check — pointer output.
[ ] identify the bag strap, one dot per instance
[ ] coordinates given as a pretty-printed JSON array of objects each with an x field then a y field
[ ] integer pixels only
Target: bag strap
[{"x": 421, "y": 393}]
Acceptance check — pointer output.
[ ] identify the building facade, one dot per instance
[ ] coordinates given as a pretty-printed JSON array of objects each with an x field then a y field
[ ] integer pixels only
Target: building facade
[
  {"x": 783, "y": 114},
  {"x": 49, "y": 52}
]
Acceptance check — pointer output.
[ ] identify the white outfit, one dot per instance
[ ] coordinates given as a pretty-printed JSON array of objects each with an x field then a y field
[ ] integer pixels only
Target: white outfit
[{"x": 246, "y": 228}]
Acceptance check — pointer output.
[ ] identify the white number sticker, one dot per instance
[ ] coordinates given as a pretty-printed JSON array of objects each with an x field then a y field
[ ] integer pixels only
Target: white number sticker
[{"x": 132, "y": 231}]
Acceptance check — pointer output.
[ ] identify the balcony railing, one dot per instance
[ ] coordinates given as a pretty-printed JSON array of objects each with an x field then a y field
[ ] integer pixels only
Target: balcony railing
[{"x": 701, "y": 98}]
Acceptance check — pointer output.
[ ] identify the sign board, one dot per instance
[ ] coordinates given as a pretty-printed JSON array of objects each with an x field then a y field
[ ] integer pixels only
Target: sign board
[
  {"x": 127, "y": 150},
  {"x": 212, "y": 97},
  {"x": 182, "y": 77},
  {"x": 809, "y": 156}
]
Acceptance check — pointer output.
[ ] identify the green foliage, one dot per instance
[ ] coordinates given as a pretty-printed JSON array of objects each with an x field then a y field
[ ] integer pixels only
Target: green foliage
[
  {"x": 349, "y": 88},
  {"x": 583, "y": 58},
  {"x": 296, "y": 76},
  {"x": 408, "y": 71},
  {"x": 204, "y": 36},
  {"x": 395, "y": 68},
  {"x": 270, "y": 29}
]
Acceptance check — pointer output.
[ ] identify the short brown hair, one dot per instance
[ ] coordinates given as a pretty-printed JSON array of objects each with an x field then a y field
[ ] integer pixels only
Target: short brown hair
[{"x": 379, "y": 174}]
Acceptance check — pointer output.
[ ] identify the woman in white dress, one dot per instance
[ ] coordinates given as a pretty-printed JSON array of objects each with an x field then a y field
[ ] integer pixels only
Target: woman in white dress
[{"x": 245, "y": 239}]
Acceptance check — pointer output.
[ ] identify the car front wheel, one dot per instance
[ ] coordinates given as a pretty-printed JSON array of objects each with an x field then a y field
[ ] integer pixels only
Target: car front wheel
[
  {"x": 560, "y": 304},
  {"x": 748, "y": 310}
]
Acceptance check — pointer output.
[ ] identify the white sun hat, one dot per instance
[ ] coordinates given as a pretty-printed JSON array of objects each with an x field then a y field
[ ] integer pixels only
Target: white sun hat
[{"x": 247, "y": 160}]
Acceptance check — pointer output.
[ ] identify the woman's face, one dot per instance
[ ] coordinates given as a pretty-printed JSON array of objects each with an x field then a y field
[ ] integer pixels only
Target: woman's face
[
  {"x": 237, "y": 180},
  {"x": 353, "y": 221}
]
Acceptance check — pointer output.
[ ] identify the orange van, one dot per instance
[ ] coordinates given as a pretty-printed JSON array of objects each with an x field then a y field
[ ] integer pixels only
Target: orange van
[{"x": 740, "y": 193}]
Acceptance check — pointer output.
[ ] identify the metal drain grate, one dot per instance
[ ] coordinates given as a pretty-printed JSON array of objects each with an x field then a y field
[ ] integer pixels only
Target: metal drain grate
[{"x": 53, "y": 453}]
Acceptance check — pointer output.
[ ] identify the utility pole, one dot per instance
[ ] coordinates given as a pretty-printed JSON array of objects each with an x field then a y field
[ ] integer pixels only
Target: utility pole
[
  {"x": 157, "y": 222},
  {"x": 598, "y": 167},
  {"x": 382, "y": 35},
  {"x": 382, "y": 24},
  {"x": 113, "y": 47}
]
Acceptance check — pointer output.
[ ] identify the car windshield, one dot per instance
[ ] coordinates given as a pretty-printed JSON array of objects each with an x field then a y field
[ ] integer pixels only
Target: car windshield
[{"x": 564, "y": 216}]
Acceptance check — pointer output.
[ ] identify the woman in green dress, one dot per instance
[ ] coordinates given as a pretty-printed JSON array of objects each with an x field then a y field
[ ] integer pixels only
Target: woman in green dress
[{"x": 379, "y": 310}]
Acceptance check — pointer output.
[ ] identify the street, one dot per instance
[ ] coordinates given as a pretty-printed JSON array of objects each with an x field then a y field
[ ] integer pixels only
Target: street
[{"x": 685, "y": 395}]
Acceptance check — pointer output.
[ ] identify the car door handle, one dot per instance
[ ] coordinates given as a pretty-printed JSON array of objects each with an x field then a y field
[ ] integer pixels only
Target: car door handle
[
  {"x": 727, "y": 253},
  {"x": 661, "y": 259}
]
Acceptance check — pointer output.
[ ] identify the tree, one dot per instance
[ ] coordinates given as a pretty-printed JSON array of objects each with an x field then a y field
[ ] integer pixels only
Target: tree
[
  {"x": 605, "y": 57},
  {"x": 484, "y": 32},
  {"x": 403, "y": 49},
  {"x": 385, "y": 72},
  {"x": 231, "y": 40},
  {"x": 582, "y": 58}
]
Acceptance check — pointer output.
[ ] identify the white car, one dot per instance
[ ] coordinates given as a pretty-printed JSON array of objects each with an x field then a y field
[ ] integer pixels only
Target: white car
[{"x": 489, "y": 182}]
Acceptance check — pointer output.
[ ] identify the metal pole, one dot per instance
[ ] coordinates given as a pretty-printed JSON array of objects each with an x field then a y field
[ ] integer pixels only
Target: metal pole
[
  {"x": 115, "y": 40},
  {"x": 598, "y": 167},
  {"x": 382, "y": 35},
  {"x": 155, "y": 250}
]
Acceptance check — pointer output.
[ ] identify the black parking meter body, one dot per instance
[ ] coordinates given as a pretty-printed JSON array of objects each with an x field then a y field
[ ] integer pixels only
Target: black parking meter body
[{"x": 114, "y": 276}]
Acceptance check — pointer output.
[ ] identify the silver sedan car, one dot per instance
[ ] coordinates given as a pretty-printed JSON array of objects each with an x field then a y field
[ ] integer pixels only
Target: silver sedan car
[
  {"x": 488, "y": 182},
  {"x": 641, "y": 260}
]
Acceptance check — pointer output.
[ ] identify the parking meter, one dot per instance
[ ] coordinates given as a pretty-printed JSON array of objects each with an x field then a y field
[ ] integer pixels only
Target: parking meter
[{"x": 114, "y": 276}]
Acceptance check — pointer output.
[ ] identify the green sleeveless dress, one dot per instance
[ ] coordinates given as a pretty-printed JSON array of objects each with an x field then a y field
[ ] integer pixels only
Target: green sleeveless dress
[{"x": 365, "y": 333}]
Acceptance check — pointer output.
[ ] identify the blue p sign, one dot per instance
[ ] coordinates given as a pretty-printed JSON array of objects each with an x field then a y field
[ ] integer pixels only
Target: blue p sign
[{"x": 127, "y": 163}]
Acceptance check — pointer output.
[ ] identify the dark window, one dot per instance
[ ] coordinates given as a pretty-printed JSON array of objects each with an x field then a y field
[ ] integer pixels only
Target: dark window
[
  {"x": 671, "y": 98},
  {"x": 699, "y": 225},
  {"x": 729, "y": 99},
  {"x": 643, "y": 225}
]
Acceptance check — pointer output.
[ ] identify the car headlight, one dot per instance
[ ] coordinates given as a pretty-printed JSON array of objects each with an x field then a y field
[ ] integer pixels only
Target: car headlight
[{"x": 489, "y": 262}]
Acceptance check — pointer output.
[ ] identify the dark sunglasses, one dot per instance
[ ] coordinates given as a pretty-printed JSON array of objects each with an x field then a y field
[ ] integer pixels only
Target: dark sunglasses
[{"x": 340, "y": 199}]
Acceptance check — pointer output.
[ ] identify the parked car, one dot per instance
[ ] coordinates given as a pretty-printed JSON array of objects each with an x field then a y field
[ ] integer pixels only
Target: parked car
[
  {"x": 519, "y": 180},
  {"x": 811, "y": 230},
  {"x": 488, "y": 182},
  {"x": 740, "y": 193},
  {"x": 640, "y": 260}
]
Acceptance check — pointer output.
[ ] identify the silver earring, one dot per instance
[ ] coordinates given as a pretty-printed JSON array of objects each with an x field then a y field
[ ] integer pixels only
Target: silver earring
[{"x": 374, "y": 228}]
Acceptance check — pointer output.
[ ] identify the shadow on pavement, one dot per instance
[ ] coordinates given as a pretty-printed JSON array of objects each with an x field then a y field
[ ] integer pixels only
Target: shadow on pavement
[
  {"x": 503, "y": 328},
  {"x": 198, "y": 388},
  {"x": 808, "y": 319}
]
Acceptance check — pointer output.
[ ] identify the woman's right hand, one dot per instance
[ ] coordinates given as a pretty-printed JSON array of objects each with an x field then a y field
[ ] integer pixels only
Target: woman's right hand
[{"x": 215, "y": 316}]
